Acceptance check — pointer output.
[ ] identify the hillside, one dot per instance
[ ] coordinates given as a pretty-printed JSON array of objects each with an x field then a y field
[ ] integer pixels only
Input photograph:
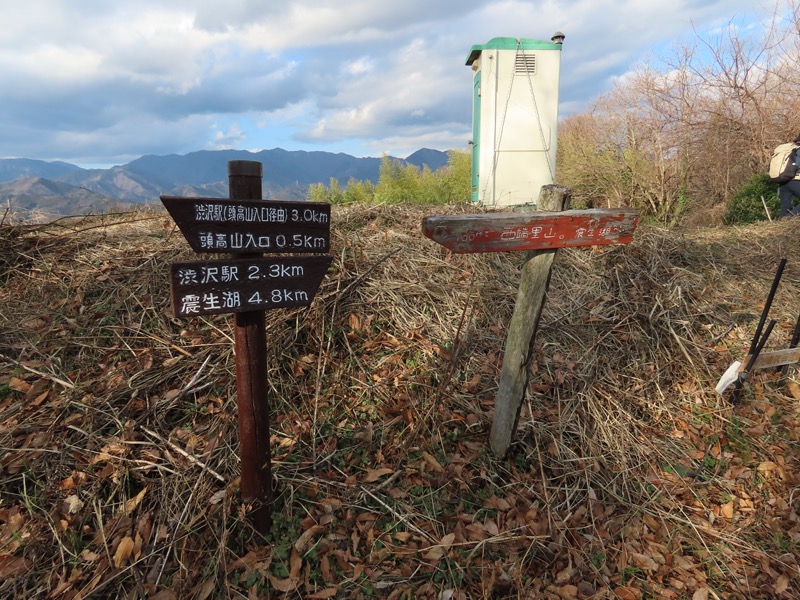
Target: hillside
[
  {"x": 66, "y": 189},
  {"x": 37, "y": 199},
  {"x": 630, "y": 477}
]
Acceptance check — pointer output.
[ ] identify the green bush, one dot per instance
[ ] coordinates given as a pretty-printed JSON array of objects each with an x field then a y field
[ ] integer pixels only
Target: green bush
[
  {"x": 400, "y": 183},
  {"x": 746, "y": 205}
]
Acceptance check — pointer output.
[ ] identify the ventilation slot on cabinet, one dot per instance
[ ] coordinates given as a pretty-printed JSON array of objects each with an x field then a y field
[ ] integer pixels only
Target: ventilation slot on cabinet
[{"x": 525, "y": 64}]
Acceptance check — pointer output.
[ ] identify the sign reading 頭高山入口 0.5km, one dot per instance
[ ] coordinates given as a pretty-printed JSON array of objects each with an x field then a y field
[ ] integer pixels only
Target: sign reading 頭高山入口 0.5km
[{"x": 222, "y": 225}]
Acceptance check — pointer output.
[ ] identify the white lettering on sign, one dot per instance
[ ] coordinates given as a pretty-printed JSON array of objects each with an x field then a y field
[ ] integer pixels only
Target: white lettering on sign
[
  {"x": 469, "y": 236},
  {"x": 249, "y": 241},
  {"x": 548, "y": 232},
  {"x": 229, "y": 273},
  {"x": 190, "y": 303},
  {"x": 274, "y": 271},
  {"x": 193, "y": 303},
  {"x": 308, "y": 215},
  {"x": 238, "y": 213},
  {"x": 187, "y": 276},
  {"x": 211, "y": 212},
  {"x": 539, "y": 231},
  {"x": 232, "y": 300},
  {"x": 243, "y": 285},
  {"x": 277, "y": 297}
]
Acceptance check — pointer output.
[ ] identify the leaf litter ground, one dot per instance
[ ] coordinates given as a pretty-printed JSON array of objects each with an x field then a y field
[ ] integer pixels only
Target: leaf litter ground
[{"x": 629, "y": 478}]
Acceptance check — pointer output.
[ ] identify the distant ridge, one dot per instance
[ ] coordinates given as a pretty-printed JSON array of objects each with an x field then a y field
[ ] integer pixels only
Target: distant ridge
[
  {"x": 12, "y": 168},
  {"x": 287, "y": 175},
  {"x": 434, "y": 159}
]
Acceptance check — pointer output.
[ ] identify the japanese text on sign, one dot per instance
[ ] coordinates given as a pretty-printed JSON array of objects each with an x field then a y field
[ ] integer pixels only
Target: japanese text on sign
[
  {"x": 231, "y": 301},
  {"x": 222, "y": 225},
  {"x": 217, "y": 212},
  {"x": 549, "y": 232},
  {"x": 231, "y": 241},
  {"x": 505, "y": 232},
  {"x": 239, "y": 285}
]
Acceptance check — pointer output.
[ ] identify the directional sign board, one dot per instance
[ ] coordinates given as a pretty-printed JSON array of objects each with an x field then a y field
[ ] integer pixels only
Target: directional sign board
[
  {"x": 241, "y": 285},
  {"x": 249, "y": 226},
  {"x": 505, "y": 232}
]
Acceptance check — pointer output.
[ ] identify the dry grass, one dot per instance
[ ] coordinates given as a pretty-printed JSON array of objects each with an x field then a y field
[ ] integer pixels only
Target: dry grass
[{"x": 118, "y": 444}]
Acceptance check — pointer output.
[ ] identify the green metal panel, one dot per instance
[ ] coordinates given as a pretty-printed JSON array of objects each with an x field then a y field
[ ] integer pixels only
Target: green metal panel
[
  {"x": 508, "y": 43},
  {"x": 476, "y": 134}
]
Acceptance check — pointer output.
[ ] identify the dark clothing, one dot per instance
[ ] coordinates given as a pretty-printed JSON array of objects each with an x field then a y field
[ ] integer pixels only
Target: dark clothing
[{"x": 788, "y": 193}]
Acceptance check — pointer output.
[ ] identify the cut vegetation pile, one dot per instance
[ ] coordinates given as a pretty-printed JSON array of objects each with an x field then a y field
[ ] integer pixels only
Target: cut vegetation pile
[{"x": 630, "y": 478}]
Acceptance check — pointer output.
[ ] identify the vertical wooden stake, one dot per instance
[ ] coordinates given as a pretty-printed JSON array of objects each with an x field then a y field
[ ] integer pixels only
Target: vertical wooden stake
[
  {"x": 244, "y": 180},
  {"x": 522, "y": 330}
]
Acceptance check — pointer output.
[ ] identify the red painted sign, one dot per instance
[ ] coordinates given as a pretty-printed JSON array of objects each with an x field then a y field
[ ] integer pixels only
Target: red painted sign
[{"x": 516, "y": 231}]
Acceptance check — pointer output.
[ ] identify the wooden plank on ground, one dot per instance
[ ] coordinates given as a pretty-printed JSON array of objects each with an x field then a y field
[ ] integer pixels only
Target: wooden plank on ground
[{"x": 777, "y": 358}]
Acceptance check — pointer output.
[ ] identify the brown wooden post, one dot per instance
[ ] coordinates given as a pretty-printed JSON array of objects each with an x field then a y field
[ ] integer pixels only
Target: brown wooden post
[
  {"x": 522, "y": 329},
  {"x": 244, "y": 181}
]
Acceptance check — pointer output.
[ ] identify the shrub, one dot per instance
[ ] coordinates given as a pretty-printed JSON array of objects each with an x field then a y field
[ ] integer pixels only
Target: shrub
[
  {"x": 400, "y": 183},
  {"x": 746, "y": 205}
]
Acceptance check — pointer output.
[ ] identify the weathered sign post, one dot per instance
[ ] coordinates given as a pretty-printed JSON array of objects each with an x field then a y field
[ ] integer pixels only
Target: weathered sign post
[
  {"x": 247, "y": 284},
  {"x": 540, "y": 234}
]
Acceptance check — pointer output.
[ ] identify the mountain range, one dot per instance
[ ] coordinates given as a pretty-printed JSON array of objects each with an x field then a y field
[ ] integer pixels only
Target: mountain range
[{"x": 39, "y": 190}]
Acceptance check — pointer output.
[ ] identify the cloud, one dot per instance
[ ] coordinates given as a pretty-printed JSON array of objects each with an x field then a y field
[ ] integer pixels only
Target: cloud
[
  {"x": 115, "y": 79},
  {"x": 225, "y": 140}
]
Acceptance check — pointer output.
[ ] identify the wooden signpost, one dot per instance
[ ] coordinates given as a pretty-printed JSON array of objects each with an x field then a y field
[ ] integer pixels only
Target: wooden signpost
[
  {"x": 508, "y": 232},
  {"x": 539, "y": 234},
  {"x": 247, "y": 284}
]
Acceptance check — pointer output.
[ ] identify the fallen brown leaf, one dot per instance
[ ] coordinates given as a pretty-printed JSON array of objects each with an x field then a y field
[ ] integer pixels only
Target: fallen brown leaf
[
  {"x": 326, "y": 593},
  {"x": 701, "y": 594},
  {"x": 375, "y": 474},
  {"x": 14, "y": 566},
  {"x": 134, "y": 502},
  {"x": 123, "y": 552},
  {"x": 283, "y": 585},
  {"x": 309, "y": 534},
  {"x": 624, "y": 593}
]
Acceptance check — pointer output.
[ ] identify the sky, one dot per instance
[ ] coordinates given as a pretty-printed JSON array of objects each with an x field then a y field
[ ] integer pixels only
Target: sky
[{"x": 102, "y": 82}]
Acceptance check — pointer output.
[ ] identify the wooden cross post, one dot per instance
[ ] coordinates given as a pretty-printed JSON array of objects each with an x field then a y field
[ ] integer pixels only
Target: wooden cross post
[
  {"x": 247, "y": 284},
  {"x": 534, "y": 281},
  {"x": 539, "y": 234}
]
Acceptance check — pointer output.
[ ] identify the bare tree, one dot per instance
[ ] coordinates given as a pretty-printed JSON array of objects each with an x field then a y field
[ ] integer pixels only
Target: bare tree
[{"x": 692, "y": 127}]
